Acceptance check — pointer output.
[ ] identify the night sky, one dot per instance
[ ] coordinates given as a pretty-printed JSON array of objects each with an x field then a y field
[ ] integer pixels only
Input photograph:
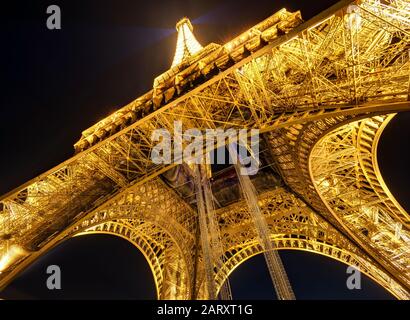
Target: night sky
[{"x": 57, "y": 83}]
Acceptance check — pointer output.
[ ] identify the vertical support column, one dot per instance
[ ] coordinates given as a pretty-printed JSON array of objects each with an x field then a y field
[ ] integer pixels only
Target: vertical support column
[
  {"x": 209, "y": 235},
  {"x": 203, "y": 229},
  {"x": 215, "y": 236},
  {"x": 276, "y": 269}
]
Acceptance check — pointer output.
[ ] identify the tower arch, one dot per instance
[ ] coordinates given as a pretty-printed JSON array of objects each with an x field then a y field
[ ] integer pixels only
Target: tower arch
[
  {"x": 167, "y": 264},
  {"x": 293, "y": 226}
]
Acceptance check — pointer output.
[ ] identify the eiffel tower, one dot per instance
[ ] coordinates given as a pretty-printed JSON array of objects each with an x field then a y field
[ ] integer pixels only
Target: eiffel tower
[{"x": 320, "y": 92}]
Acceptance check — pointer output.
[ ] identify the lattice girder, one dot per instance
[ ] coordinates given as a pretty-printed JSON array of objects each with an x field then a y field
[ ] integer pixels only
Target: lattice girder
[
  {"x": 348, "y": 63},
  {"x": 346, "y": 176},
  {"x": 165, "y": 258},
  {"x": 294, "y": 226}
]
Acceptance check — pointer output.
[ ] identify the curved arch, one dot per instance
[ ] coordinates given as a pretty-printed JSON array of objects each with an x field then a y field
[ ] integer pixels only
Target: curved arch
[
  {"x": 166, "y": 223},
  {"x": 143, "y": 248},
  {"x": 401, "y": 212},
  {"x": 166, "y": 261},
  {"x": 134, "y": 243},
  {"x": 154, "y": 206},
  {"x": 253, "y": 248},
  {"x": 150, "y": 202},
  {"x": 293, "y": 226},
  {"x": 345, "y": 174}
]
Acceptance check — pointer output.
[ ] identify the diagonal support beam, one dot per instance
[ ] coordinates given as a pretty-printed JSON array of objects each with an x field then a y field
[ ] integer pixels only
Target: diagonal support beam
[
  {"x": 209, "y": 235},
  {"x": 276, "y": 269}
]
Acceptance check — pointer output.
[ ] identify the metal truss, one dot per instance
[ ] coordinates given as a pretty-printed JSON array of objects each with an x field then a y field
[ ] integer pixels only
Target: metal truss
[
  {"x": 274, "y": 263},
  {"x": 163, "y": 254},
  {"x": 161, "y": 226},
  {"x": 294, "y": 226},
  {"x": 346, "y": 176},
  {"x": 211, "y": 244},
  {"x": 300, "y": 85}
]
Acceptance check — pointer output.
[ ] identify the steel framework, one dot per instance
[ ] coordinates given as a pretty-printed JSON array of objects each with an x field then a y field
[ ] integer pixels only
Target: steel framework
[{"x": 321, "y": 92}]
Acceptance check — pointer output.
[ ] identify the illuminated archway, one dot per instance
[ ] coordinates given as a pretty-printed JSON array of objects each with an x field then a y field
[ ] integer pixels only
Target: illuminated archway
[
  {"x": 346, "y": 176},
  {"x": 293, "y": 226},
  {"x": 91, "y": 267},
  {"x": 312, "y": 276},
  {"x": 159, "y": 249}
]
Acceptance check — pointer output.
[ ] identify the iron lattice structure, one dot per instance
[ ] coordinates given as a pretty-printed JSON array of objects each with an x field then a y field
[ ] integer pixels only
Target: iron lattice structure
[{"x": 320, "y": 92}]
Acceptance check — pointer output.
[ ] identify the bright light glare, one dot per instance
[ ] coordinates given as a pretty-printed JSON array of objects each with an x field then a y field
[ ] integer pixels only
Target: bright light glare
[
  {"x": 187, "y": 45},
  {"x": 10, "y": 256}
]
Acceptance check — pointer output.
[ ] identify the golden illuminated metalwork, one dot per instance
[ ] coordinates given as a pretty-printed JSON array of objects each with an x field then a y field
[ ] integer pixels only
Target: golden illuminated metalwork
[
  {"x": 343, "y": 168},
  {"x": 187, "y": 45},
  {"x": 320, "y": 92},
  {"x": 274, "y": 263}
]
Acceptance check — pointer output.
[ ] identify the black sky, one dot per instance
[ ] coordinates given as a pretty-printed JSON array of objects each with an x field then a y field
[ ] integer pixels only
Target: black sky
[{"x": 57, "y": 83}]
